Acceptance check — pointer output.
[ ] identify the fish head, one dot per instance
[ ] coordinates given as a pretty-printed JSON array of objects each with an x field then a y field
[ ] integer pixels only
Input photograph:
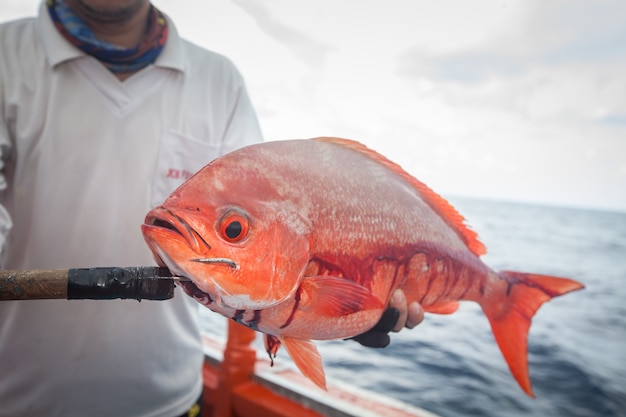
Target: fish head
[{"x": 227, "y": 233}]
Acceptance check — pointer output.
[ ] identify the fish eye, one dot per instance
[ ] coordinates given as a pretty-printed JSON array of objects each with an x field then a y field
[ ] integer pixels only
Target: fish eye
[
  {"x": 233, "y": 230},
  {"x": 234, "y": 227}
]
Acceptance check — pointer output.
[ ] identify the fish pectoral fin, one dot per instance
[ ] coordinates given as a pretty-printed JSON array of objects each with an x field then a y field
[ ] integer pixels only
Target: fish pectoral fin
[
  {"x": 307, "y": 359},
  {"x": 333, "y": 296},
  {"x": 448, "y": 307},
  {"x": 272, "y": 344}
]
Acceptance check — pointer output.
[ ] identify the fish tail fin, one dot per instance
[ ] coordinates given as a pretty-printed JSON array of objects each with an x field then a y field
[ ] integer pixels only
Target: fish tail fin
[{"x": 510, "y": 319}]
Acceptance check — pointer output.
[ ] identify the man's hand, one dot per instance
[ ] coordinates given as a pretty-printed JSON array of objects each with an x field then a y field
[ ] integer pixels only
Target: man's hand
[{"x": 397, "y": 316}]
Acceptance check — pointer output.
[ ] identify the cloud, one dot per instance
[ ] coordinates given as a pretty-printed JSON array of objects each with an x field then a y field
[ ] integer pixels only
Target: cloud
[
  {"x": 304, "y": 46},
  {"x": 563, "y": 62},
  {"x": 556, "y": 33},
  {"x": 579, "y": 31}
]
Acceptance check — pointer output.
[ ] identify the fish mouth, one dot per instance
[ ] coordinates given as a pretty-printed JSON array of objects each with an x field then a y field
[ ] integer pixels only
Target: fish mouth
[
  {"x": 196, "y": 293},
  {"x": 164, "y": 218},
  {"x": 187, "y": 284},
  {"x": 218, "y": 300}
]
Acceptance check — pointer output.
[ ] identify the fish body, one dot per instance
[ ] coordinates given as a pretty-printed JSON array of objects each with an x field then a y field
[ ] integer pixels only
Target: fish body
[{"x": 307, "y": 239}]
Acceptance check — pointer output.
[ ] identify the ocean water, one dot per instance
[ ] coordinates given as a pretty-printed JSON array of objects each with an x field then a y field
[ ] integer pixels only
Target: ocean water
[{"x": 452, "y": 366}]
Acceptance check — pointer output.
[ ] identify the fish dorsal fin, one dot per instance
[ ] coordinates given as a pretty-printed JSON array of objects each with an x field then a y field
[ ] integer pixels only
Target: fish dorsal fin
[{"x": 434, "y": 200}]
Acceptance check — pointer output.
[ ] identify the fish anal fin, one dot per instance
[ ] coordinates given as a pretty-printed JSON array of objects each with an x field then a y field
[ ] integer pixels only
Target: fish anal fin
[
  {"x": 510, "y": 318},
  {"x": 448, "y": 307},
  {"x": 440, "y": 205},
  {"x": 334, "y": 296},
  {"x": 306, "y": 357}
]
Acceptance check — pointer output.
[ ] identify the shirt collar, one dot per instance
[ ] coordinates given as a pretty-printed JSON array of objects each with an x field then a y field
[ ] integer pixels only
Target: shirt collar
[
  {"x": 172, "y": 56},
  {"x": 58, "y": 50}
]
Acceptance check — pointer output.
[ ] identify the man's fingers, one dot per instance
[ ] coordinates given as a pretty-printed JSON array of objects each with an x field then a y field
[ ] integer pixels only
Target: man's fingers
[
  {"x": 398, "y": 301},
  {"x": 410, "y": 315},
  {"x": 415, "y": 315}
]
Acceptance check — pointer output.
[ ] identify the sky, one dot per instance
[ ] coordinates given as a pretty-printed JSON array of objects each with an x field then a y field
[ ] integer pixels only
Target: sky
[{"x": 521, "y": 100}]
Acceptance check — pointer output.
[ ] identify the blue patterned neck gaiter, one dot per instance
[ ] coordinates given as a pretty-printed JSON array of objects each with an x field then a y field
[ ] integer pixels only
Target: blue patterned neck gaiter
[{"x": 116, "y": 58}]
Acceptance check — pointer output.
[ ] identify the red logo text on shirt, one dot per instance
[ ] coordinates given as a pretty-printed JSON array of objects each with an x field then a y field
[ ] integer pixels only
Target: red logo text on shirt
[{"x": 178, "y": 174}]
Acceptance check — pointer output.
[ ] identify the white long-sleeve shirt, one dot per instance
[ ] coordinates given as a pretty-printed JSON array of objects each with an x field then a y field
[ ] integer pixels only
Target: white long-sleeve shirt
[{"x": 84, "y": 157}]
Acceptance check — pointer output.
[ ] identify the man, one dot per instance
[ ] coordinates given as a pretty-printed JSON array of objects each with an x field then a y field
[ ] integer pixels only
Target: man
[{"x": 104, "y": 110}]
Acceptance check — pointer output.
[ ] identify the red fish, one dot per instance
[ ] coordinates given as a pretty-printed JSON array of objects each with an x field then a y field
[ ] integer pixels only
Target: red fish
[{"x": 307, "y": 239}]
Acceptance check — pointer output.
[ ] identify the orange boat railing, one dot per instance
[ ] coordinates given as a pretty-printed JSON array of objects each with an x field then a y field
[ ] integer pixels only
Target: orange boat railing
[
  {"x": 240, "y": 385},
  {"x": 230, "y": 390}
]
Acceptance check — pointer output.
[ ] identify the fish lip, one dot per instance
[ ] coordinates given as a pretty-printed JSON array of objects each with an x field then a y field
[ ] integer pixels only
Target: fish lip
[{"x": 164, "y": 218}]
